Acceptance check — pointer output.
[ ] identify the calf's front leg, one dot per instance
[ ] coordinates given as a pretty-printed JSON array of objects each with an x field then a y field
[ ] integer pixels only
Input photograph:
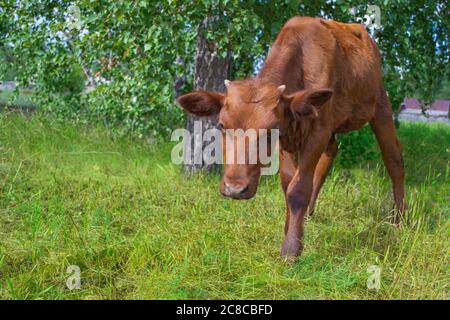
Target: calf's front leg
[
  {"x": 297, "y": 199},
  {"x": 298, "y": 195}
]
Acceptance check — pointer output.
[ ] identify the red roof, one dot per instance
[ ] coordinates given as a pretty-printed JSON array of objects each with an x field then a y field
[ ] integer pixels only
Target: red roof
[
  {"x": 411, "y": 103},
  {"x": 442, "y": 105}
]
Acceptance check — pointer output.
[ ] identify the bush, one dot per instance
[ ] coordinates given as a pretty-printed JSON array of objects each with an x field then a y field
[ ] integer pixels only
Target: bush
[
  {"x": 65, "y": 78},
  {"x": 356, "y": 147},
  {"x": 126, "y": 108}
]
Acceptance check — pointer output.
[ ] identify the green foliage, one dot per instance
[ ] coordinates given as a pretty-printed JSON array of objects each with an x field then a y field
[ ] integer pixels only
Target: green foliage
[
  {"x": 7, "y": 72},
  {"x": 444, "y": 91},
  {"x": 133, "y": 51},
  {"x": 356, "y": 147},
  {"x": 71, "y": 82},
  {"x": 415, "y": 47},
  {"x": 138, "y": 229}
]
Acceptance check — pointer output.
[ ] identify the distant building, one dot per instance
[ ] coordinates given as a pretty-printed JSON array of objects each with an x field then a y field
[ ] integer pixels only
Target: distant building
[
  {"x": 411, "y": 110},
  {"x": 7, "y": 85}
]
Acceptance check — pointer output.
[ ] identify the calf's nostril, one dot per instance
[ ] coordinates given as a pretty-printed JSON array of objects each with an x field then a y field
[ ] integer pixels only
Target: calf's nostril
[{"x": 244, "y": 190}]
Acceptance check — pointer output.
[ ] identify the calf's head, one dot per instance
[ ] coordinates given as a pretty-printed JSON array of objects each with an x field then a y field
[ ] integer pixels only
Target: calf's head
[{"x": 246, "y": 115}]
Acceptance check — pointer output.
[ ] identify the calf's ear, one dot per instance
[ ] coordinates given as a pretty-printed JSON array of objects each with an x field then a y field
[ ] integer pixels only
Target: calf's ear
[
  {"x": 202, "y": 103},
  {"x": 308, "y": 102}
]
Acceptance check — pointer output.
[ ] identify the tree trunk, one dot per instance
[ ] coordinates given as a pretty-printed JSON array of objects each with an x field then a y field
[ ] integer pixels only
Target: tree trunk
[
  {"x": 180, "y": 80},
  {"x": 211, "y": 71}
]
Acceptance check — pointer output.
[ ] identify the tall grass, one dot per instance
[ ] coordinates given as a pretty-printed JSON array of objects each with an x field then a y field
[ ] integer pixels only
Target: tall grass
[{"x": 137, "y": 228}]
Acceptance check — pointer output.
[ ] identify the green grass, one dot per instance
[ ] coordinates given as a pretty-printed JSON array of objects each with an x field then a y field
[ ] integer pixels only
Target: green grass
[{"x": 71, "y": 195}]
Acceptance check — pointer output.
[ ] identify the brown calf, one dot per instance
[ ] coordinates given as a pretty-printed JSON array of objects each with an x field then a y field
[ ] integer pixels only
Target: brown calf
[{"x": 320, "y": 78}]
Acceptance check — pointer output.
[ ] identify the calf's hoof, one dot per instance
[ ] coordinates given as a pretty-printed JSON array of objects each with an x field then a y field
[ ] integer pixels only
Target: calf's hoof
[
  {"x": 291, "y": 248},
  {"x": 398, "y": 217}
]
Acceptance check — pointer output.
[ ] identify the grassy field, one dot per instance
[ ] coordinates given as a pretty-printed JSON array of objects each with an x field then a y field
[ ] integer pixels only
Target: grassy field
[{"x": 119, "y": 210}]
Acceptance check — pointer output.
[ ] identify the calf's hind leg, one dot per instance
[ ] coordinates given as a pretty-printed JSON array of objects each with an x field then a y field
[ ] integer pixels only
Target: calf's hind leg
[
  {"x": 383, "y": 126},
  {"x": 321, "y": 172}
]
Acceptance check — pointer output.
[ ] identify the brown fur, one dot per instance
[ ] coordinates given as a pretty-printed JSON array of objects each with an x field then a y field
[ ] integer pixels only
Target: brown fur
[{"x": 332, "y": 74}]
